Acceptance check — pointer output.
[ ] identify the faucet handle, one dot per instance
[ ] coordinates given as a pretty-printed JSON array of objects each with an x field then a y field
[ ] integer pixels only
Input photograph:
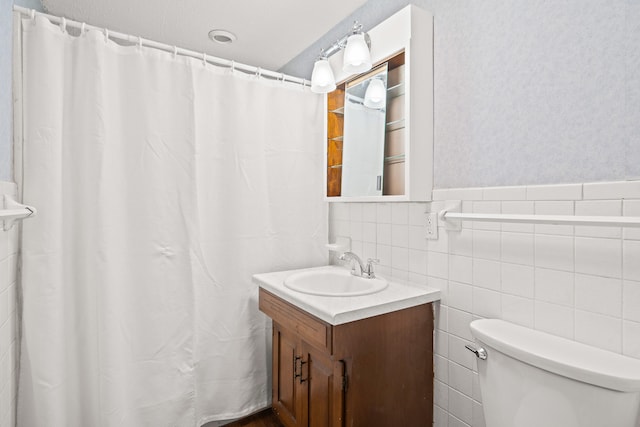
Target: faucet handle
[{"x": 368, "y": 272}]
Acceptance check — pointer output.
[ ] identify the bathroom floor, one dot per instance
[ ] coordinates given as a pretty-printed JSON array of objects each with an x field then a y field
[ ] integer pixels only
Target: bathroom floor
[{"x": 264, "y": 418}]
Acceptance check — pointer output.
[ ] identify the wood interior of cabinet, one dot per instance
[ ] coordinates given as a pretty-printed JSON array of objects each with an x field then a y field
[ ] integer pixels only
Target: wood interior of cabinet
[{"x": 335, "y": 132}]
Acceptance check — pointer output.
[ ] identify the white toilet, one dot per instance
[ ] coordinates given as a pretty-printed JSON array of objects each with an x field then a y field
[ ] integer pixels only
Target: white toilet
[{"x": 532, "y": 379}]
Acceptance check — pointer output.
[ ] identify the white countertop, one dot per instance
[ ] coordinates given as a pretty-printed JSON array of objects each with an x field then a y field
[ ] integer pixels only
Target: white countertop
[{"x": 338, "y": 310}]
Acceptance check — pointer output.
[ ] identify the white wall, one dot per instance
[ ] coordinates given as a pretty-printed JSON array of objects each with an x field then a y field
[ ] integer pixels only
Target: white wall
[
  {"x": 582, "y": 283},
  {"x": 8, "y": 318}
]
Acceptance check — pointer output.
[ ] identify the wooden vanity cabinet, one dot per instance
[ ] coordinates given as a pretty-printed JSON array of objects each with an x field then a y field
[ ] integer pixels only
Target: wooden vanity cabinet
[{"x": 374, "y": 372}]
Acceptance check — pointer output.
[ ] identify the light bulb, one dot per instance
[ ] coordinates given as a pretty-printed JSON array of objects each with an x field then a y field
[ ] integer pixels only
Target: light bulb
[
  {"x": 376, "y": 94},
  {"x": 322, "y": 79},
  {"x": 357, "y": 58}
]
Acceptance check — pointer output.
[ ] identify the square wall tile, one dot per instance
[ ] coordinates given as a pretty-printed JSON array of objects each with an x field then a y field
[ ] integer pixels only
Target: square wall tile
[
  {"x": 400, "y": 213},
  {"x": 486, "y": 303},
  {"x": 631, "y": 300},
  {"x": 460, "y": 296},
  {"x": 383, "y": 234},
  {"x": 518, "y": 208},
  {"x": 518, "y": 280},
  {"x": 597, "y": 294},
  {"x": 460, "y": 268},
  {"x": 599, "y": 208},
  {"x": 518, "y": 248},
  {"x": 460, "y": 406},
  {"x": 488, "y": 207},
  {"x": 459, "y": 324},
  {"x": 417, "y": 261},
  {"x": 461, "y": 379},
  {"x": 631, "y": 208},
  {"x": 355, "y": 211},
  {"x": 442, "y": 285},
  {"x": 461, "y": 242},
  {"x": 417, "y": 238},
  {"x": 554, "y": 286},
  {"x": 555, "y": 252},
  {"x": 417, "y": 214},
  {"x": 600, "y": 257},
  {"x": 631, "y": 259},
  {"x": 486, "y": 244},
  {"x": 458, "y": 353},
  {"x": 369, "y": 212},
  {"x": 383, "y": 213},
  {"x": 599, "y": 331},
  {"x": 486, "y": 274},
  {"x": 518, "y": 310},
  {"x": 554, "y": 208},
  {"x": 400, "y": 235},
  {"x": 438, "y": 265},
  {"x": 555, "y": 319},
  {"x": 631, "y": 339},
  {"x": 400, "y": 258}
]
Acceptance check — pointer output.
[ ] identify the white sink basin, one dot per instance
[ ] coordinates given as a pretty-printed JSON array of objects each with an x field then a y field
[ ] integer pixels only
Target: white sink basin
[{"x": 333, "y": 283}]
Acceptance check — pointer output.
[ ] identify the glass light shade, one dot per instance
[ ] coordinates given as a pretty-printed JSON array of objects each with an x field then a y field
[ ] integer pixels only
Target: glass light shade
[
  {"x": 322, "y": 79},
  {"x": 376, "y": 94},
  {"x": 357, "y": 58}
]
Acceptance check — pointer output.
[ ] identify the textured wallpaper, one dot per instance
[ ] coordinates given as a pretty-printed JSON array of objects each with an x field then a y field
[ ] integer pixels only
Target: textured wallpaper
[{"x": 528, "y": 91}]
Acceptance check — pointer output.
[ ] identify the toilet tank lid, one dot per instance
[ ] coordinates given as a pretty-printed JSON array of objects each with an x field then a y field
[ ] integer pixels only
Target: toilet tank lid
[{"x": 559, "y": 355}]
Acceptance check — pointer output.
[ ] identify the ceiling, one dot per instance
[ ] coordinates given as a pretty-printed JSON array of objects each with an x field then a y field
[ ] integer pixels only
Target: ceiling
[{"x": 269, "y": 32}]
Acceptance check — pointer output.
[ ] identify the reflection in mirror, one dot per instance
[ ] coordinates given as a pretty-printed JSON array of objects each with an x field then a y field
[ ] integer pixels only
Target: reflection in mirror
[{"x": 364, "y": 134}]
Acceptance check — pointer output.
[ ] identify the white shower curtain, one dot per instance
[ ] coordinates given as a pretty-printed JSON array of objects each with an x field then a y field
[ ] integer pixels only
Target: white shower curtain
[{"x": 161, "y": 185}]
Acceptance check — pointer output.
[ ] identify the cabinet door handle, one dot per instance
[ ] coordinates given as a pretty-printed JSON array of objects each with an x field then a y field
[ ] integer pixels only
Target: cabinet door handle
[{"x": 297, "y": 374}]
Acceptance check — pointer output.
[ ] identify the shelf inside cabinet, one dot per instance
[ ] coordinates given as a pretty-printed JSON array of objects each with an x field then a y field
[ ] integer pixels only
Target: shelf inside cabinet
[
  {"x": 395, "y": 91},
  {"x": 395, "y": 125}
]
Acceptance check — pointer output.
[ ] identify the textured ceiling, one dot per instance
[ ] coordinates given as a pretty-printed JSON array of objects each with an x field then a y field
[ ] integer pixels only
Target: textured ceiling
[{"x": 270, "y": 32}]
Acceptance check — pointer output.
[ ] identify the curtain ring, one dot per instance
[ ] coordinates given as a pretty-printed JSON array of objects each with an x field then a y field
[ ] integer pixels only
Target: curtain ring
[
  {"x": 282, "y": 78},
  {"x": 63, "y": 24},
  {"x": 139, "y": 42},
  {"x": 175, "y": 52},
  {"x": 204, "y": 59},
  {"x": 32, "y": 14},
  {"x": 106, "y": 35},
  {"x": 233, "y": 66},
  {"x": 258, "y": 72},
  {"x": 82, "y": 28}
]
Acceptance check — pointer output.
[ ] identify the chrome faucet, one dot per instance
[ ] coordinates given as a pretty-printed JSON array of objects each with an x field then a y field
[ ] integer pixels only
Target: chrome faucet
[{"x": 362, "y": 270}]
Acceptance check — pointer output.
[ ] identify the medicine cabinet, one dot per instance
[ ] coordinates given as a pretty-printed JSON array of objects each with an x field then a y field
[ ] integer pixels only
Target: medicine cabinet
[{"x": 384, "y": 152}]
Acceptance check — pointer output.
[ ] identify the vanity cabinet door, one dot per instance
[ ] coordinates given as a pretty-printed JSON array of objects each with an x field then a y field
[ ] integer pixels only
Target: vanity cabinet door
[
  {"x": 322, "y": 393},
  {"x": 287, "y": 401}
]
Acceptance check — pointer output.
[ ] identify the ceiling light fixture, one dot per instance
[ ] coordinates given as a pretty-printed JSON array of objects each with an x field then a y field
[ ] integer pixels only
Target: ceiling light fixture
[
  {"x": 222, "y": 36},
  {"x": 357, "y": 59}
]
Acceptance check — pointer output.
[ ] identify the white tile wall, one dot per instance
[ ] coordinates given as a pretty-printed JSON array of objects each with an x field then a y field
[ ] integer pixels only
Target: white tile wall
[
  {"x": 582, "y": 283},
  {"x": 8, "y": 343}
]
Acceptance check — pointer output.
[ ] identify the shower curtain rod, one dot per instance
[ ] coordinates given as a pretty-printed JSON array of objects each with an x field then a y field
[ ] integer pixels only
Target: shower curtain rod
[{"x": 214, "y": 60}]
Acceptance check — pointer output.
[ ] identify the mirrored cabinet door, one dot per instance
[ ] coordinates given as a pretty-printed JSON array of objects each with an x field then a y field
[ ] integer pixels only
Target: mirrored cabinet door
[{"x": 380, "y": 123}]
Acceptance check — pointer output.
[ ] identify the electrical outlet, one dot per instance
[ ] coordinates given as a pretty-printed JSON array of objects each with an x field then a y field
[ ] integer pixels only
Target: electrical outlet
[{"x": 432, "y": 225}]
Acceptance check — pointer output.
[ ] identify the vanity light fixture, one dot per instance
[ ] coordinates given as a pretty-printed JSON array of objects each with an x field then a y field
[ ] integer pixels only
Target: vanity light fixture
[{"x": 357, "y": 59}]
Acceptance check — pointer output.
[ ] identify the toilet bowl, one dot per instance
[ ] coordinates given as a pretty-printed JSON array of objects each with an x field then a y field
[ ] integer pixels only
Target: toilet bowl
[{"x": 530, "y": 378}]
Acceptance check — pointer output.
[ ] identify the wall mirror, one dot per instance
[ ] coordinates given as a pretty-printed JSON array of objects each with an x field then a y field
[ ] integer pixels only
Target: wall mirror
[
  {"x": 365, "y": 107},
  {"x": 380, "y": 148}
]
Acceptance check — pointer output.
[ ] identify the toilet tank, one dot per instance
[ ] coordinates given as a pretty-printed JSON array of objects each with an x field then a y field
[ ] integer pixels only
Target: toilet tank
[{"x": 533, "y": 379}]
